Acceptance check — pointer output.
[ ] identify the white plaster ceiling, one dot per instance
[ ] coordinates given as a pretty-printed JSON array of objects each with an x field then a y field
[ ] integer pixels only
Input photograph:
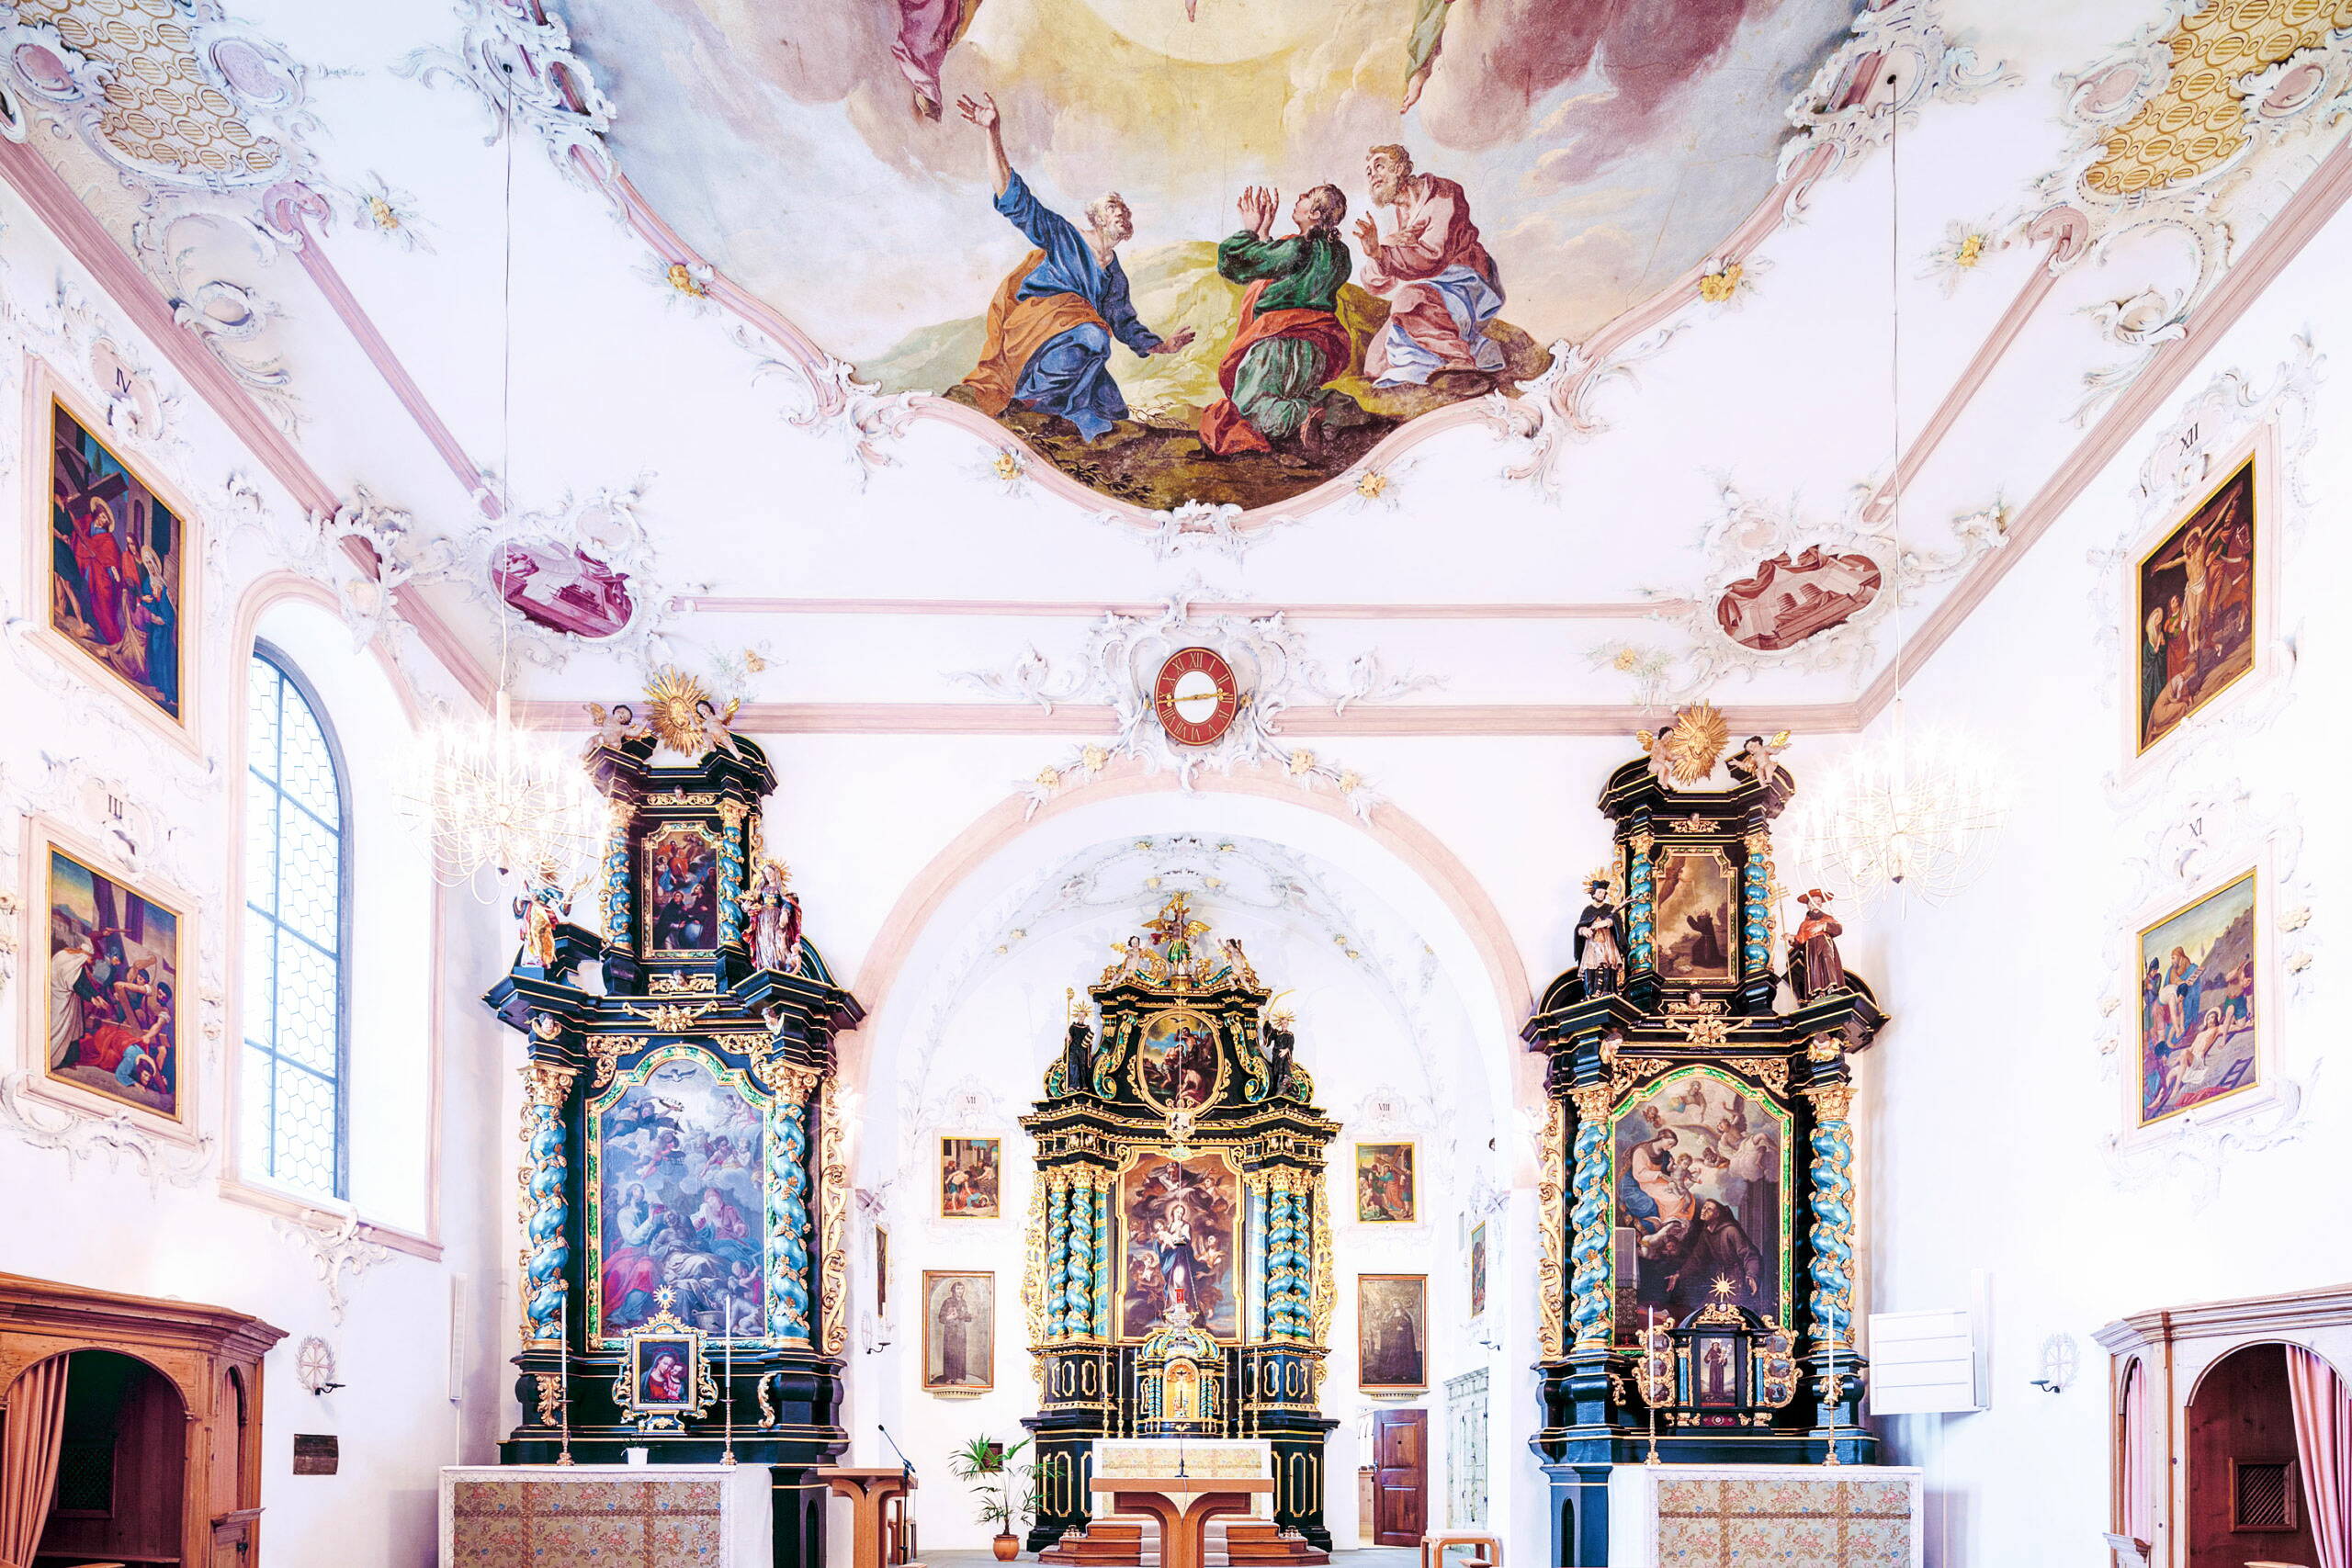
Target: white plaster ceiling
[{"x": 1579, "y": 586}]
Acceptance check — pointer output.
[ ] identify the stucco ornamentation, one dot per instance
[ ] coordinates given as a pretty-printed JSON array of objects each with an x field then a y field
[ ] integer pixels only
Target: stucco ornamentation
[
  {"x": 339, "y": 1253},
  {"x": 79, "y": 1135}
]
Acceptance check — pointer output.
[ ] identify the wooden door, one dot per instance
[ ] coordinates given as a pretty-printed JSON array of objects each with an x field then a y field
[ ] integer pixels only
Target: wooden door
[{"x": 1400, "y": 1479}]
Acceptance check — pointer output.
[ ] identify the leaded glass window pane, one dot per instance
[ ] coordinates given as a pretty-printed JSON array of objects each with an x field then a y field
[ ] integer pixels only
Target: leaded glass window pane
[{"x": 297, "y": 906}]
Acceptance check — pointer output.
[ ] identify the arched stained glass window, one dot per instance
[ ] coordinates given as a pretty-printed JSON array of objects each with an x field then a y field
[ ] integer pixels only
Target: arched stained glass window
[{"x": 297, "y": 924}]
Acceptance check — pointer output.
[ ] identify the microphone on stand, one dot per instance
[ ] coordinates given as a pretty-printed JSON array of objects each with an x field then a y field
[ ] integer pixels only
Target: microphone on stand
[{"x": 906, "y": 1465}]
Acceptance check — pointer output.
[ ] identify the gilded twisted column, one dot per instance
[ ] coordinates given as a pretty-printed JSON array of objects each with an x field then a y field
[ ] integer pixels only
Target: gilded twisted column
[
  {"x": 1833, "y": 1215},
  {"x": 1057, "y": 1255},
  {"x": 546, "y": 1205},
  {"x": 1756, "y": 902},
  {"x": 1081, "y": 1269},
  {"x": 1260, "y": 1281},
  {"x": 832, "y": 1219},
  {"x": 618, "y": 932},
  {"x": 787, "y": 1191},
  {"x": 730, "y": 872},
  {"x": 1106, "y": 1273},
  {"x": 1589, "y": 1284}
]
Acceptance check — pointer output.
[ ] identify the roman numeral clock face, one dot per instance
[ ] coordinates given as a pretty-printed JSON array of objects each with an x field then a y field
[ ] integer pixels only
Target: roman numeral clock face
[{"x": 1196, "y": 696}]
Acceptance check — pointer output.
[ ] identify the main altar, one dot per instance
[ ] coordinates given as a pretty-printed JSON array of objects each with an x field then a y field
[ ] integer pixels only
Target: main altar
[
  {"x": 682, "y": 1192},
  {"x": 1180, "y": 1287},
  {"x": 1696, "y": 1270}
]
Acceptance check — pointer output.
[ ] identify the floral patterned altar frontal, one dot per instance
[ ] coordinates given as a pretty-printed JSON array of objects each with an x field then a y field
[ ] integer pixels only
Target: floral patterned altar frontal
[
  {"x": 605, "y": 1516},
  {"x": 1728, "y": 1516}
]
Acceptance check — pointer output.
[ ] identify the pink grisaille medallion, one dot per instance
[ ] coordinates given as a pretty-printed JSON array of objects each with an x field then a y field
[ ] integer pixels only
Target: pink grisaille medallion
[
  {"x": 564, "y": 589},
  {"x": 1791, "y": 598}
]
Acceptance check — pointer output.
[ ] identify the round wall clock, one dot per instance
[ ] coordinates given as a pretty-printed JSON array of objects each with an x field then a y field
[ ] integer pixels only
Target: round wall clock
[{"x": 1196, "y": 696}]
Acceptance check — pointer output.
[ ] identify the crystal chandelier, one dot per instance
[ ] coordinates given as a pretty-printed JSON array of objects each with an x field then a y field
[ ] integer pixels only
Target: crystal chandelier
[
  {"x": 1915, "y": 815},
  {"x": 491, "y": 794}
]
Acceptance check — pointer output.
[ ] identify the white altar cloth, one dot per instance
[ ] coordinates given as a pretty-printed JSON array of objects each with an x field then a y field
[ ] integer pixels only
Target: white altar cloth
[
  {"x": 1695, "y": 1516},
  {"x": 605, "y": 1515}
]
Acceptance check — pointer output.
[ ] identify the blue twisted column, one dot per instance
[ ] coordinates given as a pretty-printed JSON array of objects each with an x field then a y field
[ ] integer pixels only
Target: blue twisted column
[
  {"x": 1104, "y": 1274},
  {"x": 1589, "y": 1325},
  {"x": 1832, "y": 1236},
  {"x": 1057, "y": 1254},
  {"x": 1756, "y": 907},
  {"x": 547, "y": 1208},
  {"x": 1641, "y": 901},
  {"x": 1081, "y": 1271},
  {"x": 1254, "y": 1325},
  {"x": 790, "y": 1226},
  {"x": 730, "y": 872},
  {"x": 617, "y": 934},
  {"x": 1287, "y": 1313}
]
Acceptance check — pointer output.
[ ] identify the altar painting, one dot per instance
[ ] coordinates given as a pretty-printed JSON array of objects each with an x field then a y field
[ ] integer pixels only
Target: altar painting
[
  {"x": 681, "y": 889},
  {"x": 1447, "y": 190},
  {"x": 117, "y": 565},
  {"x": 2196, "y": 602},
  {"x": 1180, "y": 1233},
  {"x": 114, "y": 983},
  {"x": 2197, "y": 1003},
  {"x": 1702, "y": 1176},
  {"x": 674, "y": 1185},
  {"x": 1697, "y": 924},
  {"x": 1385, "y": 1193},
  {"x": 1177, "y": 1066}
]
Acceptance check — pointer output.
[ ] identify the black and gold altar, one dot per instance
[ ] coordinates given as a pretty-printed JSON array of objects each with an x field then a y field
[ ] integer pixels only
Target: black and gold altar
[
  {"x": 683, "y": 1191},
  {"x": 1180, "y": 1283},
  {"x": 1696, "y": 1264}
]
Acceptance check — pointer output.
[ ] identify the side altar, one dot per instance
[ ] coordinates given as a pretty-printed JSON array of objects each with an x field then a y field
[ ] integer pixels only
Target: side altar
[
  {"x": 1180, "y": 1286},
  {"x": 683, "y": 1196},
  {"x": 1696, "y": 1275}
]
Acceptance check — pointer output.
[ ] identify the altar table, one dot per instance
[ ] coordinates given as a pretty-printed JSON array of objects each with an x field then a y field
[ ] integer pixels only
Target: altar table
[
  {"x": 1694, "y": 1515},
  {"x": 869, "y": 1489},
  {"x": 606, "y": 1516},
  {"x": 1183, "y": 1505}
]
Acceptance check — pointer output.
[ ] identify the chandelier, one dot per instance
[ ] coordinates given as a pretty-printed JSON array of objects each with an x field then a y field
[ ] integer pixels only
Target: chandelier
[
  {"x": 489, "y": 794},
  {"x": 1915, "y": 815}
]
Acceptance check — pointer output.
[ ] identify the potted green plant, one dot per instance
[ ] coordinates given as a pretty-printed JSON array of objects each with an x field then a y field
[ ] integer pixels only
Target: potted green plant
[{"x": 988, "y": 1463}]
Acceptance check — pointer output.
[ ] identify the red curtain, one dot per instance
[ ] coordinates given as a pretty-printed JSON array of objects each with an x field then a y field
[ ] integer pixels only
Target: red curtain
[
  {"x": 30, "y": 1435},
  {"x": 2323, "y": 1445}
]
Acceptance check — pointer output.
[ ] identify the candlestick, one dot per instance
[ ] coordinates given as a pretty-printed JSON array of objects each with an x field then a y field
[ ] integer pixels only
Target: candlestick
[
  {"x": 1649, "y": 1394},
  {"x": 727, "y": 1456},
  {"x": 564, "y": 1362},
  {"x": 1831, "y": 1457}
]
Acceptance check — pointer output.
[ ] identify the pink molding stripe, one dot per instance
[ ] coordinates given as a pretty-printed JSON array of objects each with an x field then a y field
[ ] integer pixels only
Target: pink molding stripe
[
  {"x": 121, "y": 279},
  {"x": 1097, "y": 721},
  {"x": 1421, "y": 851},
  {"x": 1083, "y": 610},
  {"x": 292, "y": 209},
  {"x": 2306, "y": 213}
]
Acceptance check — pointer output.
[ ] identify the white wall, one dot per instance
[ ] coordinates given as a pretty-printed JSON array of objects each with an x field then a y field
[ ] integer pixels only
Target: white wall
[{"x": 1990, "y": 1101}]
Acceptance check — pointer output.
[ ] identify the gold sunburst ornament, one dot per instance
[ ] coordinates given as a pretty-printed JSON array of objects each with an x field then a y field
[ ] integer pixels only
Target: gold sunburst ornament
[
  {"x": 683, "y": 716},
  {"x": 1693, "y": 744}
]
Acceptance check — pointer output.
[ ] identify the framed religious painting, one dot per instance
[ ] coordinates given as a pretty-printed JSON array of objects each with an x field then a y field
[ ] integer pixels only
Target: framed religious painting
[
  {"x": 115, "y": 578},
  {"x": 1384, "y": 1189},
  {"x": 1697, "y": 915},
  {"x": 665, "y": 1372},
  {"x": 676, "y": 1149},
  {"x": 680, "y": 889},
  {"x": 1478, "y": 1269},
  {"x": 2200, "y": 597},
  {"x": 107, "y": 1030},
  {"x": 1177, "y": 1066},
  {"x": 972, "y": 1176},
  {"x": 1392, "y": 1333},
  {"x": 1702, "y": 1166},
  {"x": 1180, "y": 1244},
  {"x": 881, "y": 1274},
  {"x": 2202, "y": 1004},
  {"x": 958, "y": 1331}
]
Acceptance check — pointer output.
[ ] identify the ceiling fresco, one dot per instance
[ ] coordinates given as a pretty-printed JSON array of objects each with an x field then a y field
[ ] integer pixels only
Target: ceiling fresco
[{"x": 1560, "y": 163}]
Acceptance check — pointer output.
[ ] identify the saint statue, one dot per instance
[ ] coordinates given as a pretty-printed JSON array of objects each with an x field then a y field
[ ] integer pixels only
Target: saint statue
[
  {"x": 1601, "y": 957},
  {"x": 1815, "y": 968}
]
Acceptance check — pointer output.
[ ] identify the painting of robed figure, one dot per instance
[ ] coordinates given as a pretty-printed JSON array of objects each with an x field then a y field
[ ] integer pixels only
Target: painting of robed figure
[
  {"x": 2195, "y": 592},
  {"x": 114, "y": 983},
  {"x": 1702, "y": 1182},
  {"x": 1181, "y": 1234},
  {"x": 117, "y": 560},
  {"x": 2199, "y": 1006},
  {"x": 958, "y": 1332}
]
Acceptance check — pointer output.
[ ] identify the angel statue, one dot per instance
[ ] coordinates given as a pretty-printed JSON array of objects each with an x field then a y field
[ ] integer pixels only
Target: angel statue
[
  {"x": 775, "y": 918},
  {"x": 1760, "y": 759},
  {"x": 719, "y": 725},
  {"x": 612, "y": 726},
  {"x": 538, "y": 908},
  {"x": 1686, "y": 749}
]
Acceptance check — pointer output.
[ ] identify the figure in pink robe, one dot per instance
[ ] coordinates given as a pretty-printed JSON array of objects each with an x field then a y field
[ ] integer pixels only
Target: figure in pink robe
[
  {"x": 1441, "y": 284},
  {"x": 927, "y": 30}
]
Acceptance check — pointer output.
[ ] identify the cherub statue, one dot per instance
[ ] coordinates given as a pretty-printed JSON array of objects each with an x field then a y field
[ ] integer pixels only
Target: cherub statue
[
  {"x": 1600, "y": 951},
  {"x": 1239, "y": 962},
  {"x": 538, "y": 908},
  {"x": 1760, "y": 759},
  {"x": 613, "y": 726},
  {"x": 718, "y": 723},
  {"x": 1815, "y": 967},
  {"x": 773, "y": 910},
  {"x": 1133, "y": 960}
]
